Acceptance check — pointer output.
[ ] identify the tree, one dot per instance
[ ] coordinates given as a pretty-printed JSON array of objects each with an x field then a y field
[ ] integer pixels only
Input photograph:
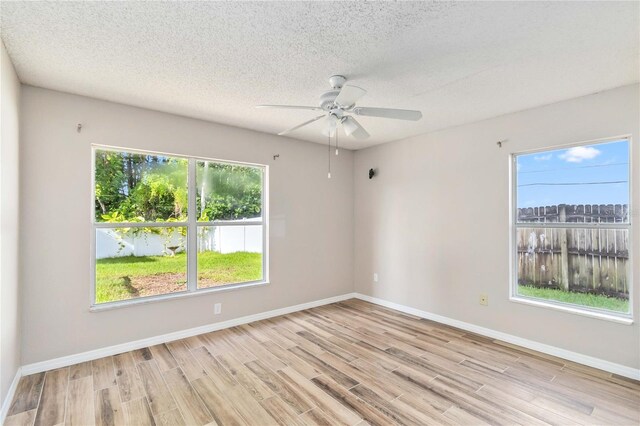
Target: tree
[
  {"x": 230, "y": 191},
  {"x": 148, "y": 188},
  {"x": 109, "y": 180},
  {"x": 136, "y": 187}
]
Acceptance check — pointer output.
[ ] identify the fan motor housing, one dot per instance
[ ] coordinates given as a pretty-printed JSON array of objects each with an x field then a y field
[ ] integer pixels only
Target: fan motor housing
[{"x": 327, "y": 99}]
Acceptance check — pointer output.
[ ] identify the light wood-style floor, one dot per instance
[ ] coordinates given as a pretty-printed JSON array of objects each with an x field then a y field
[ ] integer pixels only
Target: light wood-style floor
[{"x": 349, "y": 363}]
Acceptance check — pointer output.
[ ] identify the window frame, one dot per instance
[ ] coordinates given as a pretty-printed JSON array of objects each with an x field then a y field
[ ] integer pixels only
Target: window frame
[
  {"x": 619, "y": 317},
  {"x": 191, "y": 224}
]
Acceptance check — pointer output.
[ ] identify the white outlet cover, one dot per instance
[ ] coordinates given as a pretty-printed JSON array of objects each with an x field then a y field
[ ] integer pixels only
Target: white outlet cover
[
  {"x": 217, "y": 308},
  {"x": 375, "y": 277}
]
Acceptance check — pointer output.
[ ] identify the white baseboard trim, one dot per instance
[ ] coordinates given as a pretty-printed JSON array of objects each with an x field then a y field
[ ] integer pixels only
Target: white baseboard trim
[
  {"x": 9, "y": 398},
  {"x": 164, "y": 338},
  {"x": 601, "y": 364}
]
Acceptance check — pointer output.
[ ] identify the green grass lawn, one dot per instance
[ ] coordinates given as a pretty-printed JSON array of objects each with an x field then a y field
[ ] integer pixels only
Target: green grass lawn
[
  {"x": 127, "y": 277},
  {"x": 583, "y": 299},
  {"x": 217, "y": 269}
]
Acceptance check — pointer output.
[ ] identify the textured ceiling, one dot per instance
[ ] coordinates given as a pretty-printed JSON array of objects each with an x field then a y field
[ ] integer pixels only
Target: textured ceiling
[{"x": 456, "y": 62}]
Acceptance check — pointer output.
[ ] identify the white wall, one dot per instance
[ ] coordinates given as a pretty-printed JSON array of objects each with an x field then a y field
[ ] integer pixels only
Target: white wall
[
  {"x": 412, "y": 225},
  {"x": 9, "y": 290},
  {"x": 306, "y": 263},
  {"x": 110, "y": 243},
  {"x": 230, "y": 239},
  {"x": 222, "y": 239}
]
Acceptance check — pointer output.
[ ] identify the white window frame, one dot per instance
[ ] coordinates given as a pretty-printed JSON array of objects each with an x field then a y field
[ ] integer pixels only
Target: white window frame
[
  {"x": 619, "y": 317},
  {"x": 191, "y": 224}
]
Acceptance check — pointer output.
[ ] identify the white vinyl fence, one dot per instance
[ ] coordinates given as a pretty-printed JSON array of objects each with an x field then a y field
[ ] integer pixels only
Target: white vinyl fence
[{"x": 222, "y": 239}]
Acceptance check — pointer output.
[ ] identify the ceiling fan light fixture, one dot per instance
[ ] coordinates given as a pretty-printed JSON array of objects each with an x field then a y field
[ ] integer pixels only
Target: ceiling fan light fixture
[
  {"x": 332, "y": 125},
  {"x": 353, "y": 128},
  {"x": 349, "y": 126}
]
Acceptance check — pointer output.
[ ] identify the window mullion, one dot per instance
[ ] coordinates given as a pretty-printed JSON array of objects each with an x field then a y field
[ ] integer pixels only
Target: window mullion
[
  {"x": 139, "y": 224},
  {"x": 232, "y": 223},
  {"x": 192, "y": 230}
]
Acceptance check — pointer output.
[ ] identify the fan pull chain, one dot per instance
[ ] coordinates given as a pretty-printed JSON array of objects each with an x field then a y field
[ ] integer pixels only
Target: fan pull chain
[
  {"x": 329, "y": 173},
  {"x": 337, "y": 142}
]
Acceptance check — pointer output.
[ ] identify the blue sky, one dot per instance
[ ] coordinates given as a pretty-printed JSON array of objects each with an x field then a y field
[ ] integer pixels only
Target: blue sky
[{"x": 588, "y": 169}]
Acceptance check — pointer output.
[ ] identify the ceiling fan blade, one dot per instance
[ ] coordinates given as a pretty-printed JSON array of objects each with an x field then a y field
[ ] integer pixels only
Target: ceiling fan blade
[
  {"x": 353, "y": 128},
  {"x": 349, "y": 95},
  {"x": 301, "y": 125},
  {"x": 332, "y": 125},
  {"x": 398, "y": 114},
  {"x": 290, "y": 107}
]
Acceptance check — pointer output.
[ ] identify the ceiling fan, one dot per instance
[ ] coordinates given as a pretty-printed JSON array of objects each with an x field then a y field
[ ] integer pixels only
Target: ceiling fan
[{"x": 339, "y": 107}]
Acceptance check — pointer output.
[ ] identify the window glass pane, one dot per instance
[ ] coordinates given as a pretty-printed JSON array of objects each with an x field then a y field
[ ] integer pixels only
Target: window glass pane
[
  {"x": 229, "y": 254},
  {"x": 139, "y": 188},
  {"x": 228, "y": 191},
  {"x": 579, "y": 184},
  {"x": 138, "y": 262},
  {"x": 586, "y": 267}
]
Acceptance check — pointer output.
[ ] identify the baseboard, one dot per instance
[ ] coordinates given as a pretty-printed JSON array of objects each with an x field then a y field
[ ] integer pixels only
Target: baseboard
[
  {"x": 164, "y": 338},
  {"x": 598, "y": 363},
  {"x": 7, "y": 400}
]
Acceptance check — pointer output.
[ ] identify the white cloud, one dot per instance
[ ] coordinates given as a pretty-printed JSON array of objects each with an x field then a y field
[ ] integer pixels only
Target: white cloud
[
  {"x": 579, "y": 154},
  {"x": 543, "y": 157}
]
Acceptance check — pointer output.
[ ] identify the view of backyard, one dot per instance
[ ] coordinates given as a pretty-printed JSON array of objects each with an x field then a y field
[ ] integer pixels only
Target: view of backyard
[
  {"x": 142, "y": 227},
  {"x": 583, "y": 299},
  {"x": 572, "y": 226},
  {"x": 121, "y": 278}
]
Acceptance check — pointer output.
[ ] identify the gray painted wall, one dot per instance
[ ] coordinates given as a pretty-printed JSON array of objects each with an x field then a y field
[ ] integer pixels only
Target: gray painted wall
[
  {"x": 441, "y": 259},
  {"x": 306, "y": 263},
  {"x": 9, "y": 221}
]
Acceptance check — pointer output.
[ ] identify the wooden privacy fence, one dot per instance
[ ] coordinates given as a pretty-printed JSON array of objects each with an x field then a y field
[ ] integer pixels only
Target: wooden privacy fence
[
  {"x": 601, "y": 213},
  {"x": 576, "y": 259}
]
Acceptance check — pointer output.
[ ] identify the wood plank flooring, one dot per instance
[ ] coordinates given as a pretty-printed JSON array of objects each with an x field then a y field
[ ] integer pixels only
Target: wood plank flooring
[{"x": 349, "y": 363}]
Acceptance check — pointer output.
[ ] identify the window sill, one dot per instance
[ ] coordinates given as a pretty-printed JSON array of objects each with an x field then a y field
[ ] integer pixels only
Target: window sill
[
  {"x": 620, "y": 319},
  {"x": 165, "y": 297}
]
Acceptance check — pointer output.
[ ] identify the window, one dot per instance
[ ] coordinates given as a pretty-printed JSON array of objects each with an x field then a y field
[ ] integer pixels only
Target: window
[
  {"x": 572, "y": 228},
  {"x": 166, "y": 225}
]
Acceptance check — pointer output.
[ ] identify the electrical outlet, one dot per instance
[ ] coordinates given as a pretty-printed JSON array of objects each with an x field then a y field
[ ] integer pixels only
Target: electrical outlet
[
  {"x": 484, "y": 300},
  {"x": 375, "y": 277},
  {"x": 217, "y": 308}
]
